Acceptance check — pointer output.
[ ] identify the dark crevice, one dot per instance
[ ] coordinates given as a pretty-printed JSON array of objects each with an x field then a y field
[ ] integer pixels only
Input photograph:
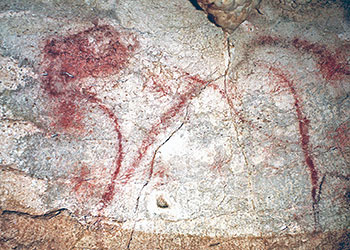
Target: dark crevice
[
  {"x": 130, "y": 239},
  {"x": 162, "y": 203},
  {"x": 48, "y": 215},
  {"x": 344, "y": 243},
  {"x": 259, "y": 11},
  {"x": 148, "y": 181},
  {"x": 347, "y": 196},
  {"x": 320, "y": 189},
  {"x": 346, "y": 5},
  {"x": 315, "y": 205},
  {"x": 211, "y": 18},
  {"x": 151, "y": 168},
  {"x": 214, "y": 244},
  {"x": 138, "y": 197},
  {"x": 195, "y": 4}
]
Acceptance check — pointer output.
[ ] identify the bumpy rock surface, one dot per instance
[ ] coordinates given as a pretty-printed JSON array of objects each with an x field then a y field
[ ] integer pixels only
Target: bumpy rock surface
[
  {"x": 229, "y": 14},
  {"x": 141, "y": 125}
]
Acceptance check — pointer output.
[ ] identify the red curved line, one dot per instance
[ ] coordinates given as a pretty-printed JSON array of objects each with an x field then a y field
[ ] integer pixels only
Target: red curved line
[
  {"x": 164, "y": 123},
  {"x": 110, "y": 190},
  {"x": 155, "y": 130},
  {"x": 303, "y": 130}
]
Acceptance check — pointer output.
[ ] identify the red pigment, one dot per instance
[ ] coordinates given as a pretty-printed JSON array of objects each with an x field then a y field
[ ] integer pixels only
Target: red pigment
[
  {"x": 81, "y": 178},
  {"x": 163, "y": 176},
  {"x": 218, "y": 164},
  {"x": 68, "y": 114},
  {"x": 95, "y": 52},
  {"x": 165, "y": 121},
  {"x": 268, "y": 40},
  {"x": 108, "y": 195},
  {"x": 160, "y": 87},
  {"x": 332, "y": 65},
  {"x": 156, "y": 129},
  {"x": 82, "y": 184},
  {"x": 303, "y": 129},
  {"x": 341, "y": 136}
]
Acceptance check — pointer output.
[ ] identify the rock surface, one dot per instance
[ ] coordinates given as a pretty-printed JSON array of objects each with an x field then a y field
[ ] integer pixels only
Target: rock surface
[
  {"x": 141, "y": 125},
  {"x": 229, "y": 14}
]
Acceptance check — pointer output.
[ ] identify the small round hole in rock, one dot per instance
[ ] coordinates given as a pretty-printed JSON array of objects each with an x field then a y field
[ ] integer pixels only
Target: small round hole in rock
[{"x": 161, "y": 202}]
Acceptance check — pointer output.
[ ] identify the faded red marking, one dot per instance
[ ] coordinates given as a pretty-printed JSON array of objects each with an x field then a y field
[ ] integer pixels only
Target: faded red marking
[
  {"x": 323, "y": 58},
  {"x": 69, "y": 116},
  {"x": 109, "y": 193},
  {"x": 164, "y": 123},
  {"x": 163, "y": 175},
  {"x": 333, "y": 65},
  {"x": 341, "y": 137},
  {"x": 237, "y": 113},
  {"x": 303, "y": 129},
  {"x": 159, "y": 86},
  {"x": 269, "y": 40},
  {"x": 241, "y": 117},
  {"x": 96, "y": 52},
  {"x": 82, "y": 183},
  {"x": 218, "y": 164},
  {"x": 81, "y": 178},
  {"x": 219, "y": 161}
]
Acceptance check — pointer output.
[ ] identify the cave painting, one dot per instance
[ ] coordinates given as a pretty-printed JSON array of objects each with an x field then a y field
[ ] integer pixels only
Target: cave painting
[
  {"x": 102, "y": 51},
  {"x": 332, "y": 67}
]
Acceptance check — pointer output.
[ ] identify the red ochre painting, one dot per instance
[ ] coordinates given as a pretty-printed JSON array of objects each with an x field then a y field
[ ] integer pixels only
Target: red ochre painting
[
  {"x": 99, "y": 52},
  {"x": 332, "y": 68},
  {"x": 102, "y": 51}
]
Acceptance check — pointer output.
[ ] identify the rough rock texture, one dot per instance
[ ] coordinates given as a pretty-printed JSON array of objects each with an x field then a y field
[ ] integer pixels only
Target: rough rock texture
[
  {"x": 58, "y": 230},
  {"x": 229, "y": 14},
  {"x": 141, "y": 125}
]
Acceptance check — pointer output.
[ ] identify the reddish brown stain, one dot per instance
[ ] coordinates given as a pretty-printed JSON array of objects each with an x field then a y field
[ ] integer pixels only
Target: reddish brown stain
[{"x": 304, "y": 125}]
